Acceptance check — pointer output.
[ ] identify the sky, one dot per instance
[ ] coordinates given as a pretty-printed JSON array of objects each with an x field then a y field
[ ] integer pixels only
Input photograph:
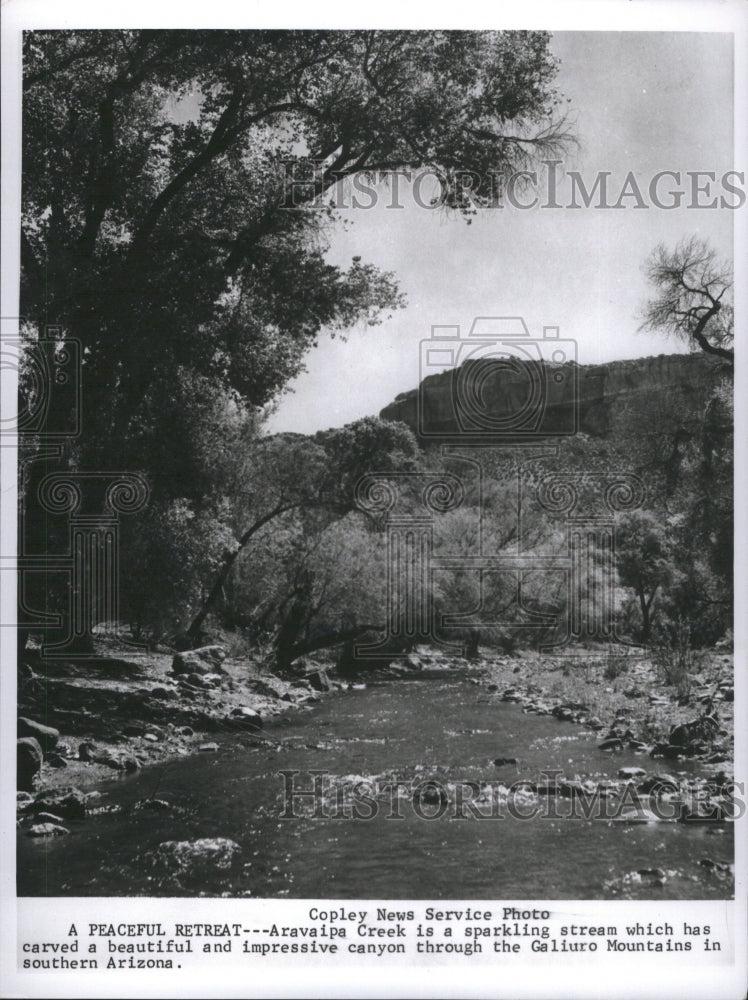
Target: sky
[{"x": 640, "y": 101}]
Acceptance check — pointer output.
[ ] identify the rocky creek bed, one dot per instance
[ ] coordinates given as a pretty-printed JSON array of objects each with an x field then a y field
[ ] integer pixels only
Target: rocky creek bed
[{"x": 627, "y": 747}]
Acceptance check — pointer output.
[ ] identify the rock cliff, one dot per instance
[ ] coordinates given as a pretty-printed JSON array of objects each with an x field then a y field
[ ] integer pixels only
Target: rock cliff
[{"x": 521, "y": 400}]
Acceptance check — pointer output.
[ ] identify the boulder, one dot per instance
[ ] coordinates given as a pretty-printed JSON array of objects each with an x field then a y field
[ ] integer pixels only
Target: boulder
[
  {"x": 29, "y": 758},
  {"x": 630, "y": 773},
  {"x": 195, "y": 856},
  {"x": 612, "y": 743},
  {"x": 505, "y": 761},
  {"x": 246, "y": 716},
  {"x": 153, "y": 804},
  {"x": 573, "y": 789},
  {"x": 46, "y": 736},
  {"x": 67, "y": 802},
  {"x": 45, "y": 817},
  {"x": 47, "y": 830},
  {"x": 652, "y": 876},
  {"x": 108, "y": 759},
  {"x": 24, "y": 801},
  {"x": 87, "y": 751},
  {"x": 208, "y": 747},
  {"x": 269, "y": 687},
  {"x": 512, "y": 695},
  {"x": 206, "y": 660},
  {"x": 658, "y": 783},
  {"x": 319, "y": 681}
]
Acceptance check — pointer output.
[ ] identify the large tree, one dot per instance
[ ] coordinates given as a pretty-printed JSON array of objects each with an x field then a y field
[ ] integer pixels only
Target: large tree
[
  {"x": 159, "y": 167},
  {"x": 162, "y": 173},
  {"x": 693, "y": 296}
]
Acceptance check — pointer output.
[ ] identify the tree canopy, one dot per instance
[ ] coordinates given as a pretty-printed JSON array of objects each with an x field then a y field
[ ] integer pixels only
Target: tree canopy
[
  {"x": 157, "y": 168},
  {"x": 163, "y": 176},
  {"x": 693, "y": 296}
]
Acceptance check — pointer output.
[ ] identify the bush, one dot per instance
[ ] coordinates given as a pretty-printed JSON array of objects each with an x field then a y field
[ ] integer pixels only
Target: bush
[
  {"x": 615, "y": 665},
  {"x": 675, "y": 659}
]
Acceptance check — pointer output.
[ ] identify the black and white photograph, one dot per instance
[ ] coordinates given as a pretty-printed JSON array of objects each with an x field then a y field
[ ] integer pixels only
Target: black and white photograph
[{"x": 371, "y": 501}]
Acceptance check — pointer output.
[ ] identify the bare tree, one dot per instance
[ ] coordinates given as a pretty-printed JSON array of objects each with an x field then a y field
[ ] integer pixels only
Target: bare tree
[{"x": 693, "y": 299}]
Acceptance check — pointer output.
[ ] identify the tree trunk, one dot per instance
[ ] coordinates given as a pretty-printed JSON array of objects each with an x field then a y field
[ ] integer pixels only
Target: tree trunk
[
  {"x": 646, "y": 623},
  {"x": 193, "y": 631}
]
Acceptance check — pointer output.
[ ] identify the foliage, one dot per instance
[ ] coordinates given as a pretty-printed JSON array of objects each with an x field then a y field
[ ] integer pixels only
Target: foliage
[
  {"x": 675, "y": 659},
  {"x": 162, "y": 170},
  {"x": 693, "y": 299},
  {"x": 645, "y": 560}
]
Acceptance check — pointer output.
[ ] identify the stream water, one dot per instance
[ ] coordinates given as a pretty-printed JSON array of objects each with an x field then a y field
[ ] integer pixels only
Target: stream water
[{"x": 450, "y": 730}]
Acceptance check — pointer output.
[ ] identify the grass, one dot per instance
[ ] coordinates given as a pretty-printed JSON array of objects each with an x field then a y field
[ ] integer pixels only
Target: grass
[{"x": 676, "y": 661}]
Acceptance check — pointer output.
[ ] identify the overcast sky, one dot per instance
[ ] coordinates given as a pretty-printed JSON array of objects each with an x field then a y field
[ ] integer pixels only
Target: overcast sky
[{"x": 641, "y": 102}]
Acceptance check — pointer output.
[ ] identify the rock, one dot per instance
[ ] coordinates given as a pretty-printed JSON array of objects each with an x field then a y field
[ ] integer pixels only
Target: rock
[
  {"x": 155, "y": 804},
  {"x": 206, "y": 660},
  {"x": 108, "y": 759},
  {"x": 29, "y": 758},
  {"x": 512, "y": 696},
  {"x": 563, "y": 713},
  {"x": 247, "y": 715},
  {"x": 720, "y": 867},
  {"x": 46, "y": 736},
  {"x": 151, "y": 737},
  {"x": 319, "y": 681},
  {"x": 573, "y": 789},
  {"x": 669, "y": 751},
  {"x": 134, "y": 729},
  {"x": 47, "y": 830},
  {"x": 67, "y": 802},
  {"x": 24, "y": 800},
  {"x": 413, "y": 661},
  {"x": 193, "y": 680},
  {"x": 45, "y": 817},
  {"x": 56, "y": 760},
  {"x": 130, "y": 764},
  {"x": 613, "y": 743},
  {"x": 269, "y": 687},
  {"x": 505, "y": 761},
  {"x": 87, "y": 752},
  {"x": 208, "y": 747},
  {"x": 658, "y": 783},
  {"x": 654, "y": 876},
  {"x": 631, "y": 772},
  {"x": 187, "y": 731},
  {"x": 603, "y": 395},
  {"x": 430, "y": 793},
  {"x": 196, "y": 856}
]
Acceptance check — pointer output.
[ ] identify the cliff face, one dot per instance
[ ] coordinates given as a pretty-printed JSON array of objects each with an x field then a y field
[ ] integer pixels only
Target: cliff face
[{"x": 492, "y": 400}]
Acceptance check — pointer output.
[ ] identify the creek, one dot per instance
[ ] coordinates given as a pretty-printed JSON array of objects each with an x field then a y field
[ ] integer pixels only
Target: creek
[{"x": 447, "y": 730}]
